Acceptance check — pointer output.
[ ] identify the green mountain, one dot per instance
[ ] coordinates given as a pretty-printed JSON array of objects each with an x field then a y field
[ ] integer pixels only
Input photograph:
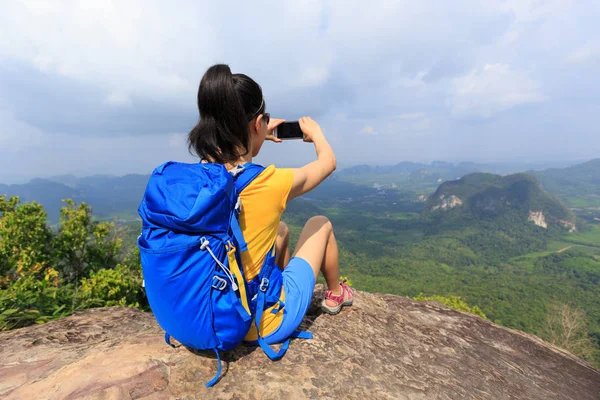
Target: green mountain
[
  {"x": 578, "y": 186},
  {"x": 518, "y": 197},
  {"x": 427, "y": 177}
]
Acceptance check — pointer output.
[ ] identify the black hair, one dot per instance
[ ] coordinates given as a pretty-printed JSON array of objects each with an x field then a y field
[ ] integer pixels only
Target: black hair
[{"x": 226, "y": 102}]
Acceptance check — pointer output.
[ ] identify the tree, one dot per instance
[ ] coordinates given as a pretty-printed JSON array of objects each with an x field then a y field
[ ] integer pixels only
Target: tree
[
  {"x": 29, "y": 285},
  {"x": 82, "y": 244},
  {"x": 567, "y": 328},
  {"x": 24, "y": 241}
]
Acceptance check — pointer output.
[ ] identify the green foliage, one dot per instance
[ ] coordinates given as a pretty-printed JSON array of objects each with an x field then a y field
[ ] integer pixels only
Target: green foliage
[
  {"x": 24, "y": 240},
  {"x": 509, "y": 267},
  {"x": 30, "y": 300},
  {"x": 83, "y": 245},
  {"x": 41, "y": 271},
  {"x": 119, "y": 286},
  {"x": 576, "y": 185},
  {"x": 452, "y": 301}
]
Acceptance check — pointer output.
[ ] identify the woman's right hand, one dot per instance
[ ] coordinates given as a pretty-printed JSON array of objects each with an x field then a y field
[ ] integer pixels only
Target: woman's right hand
[
  {"x": 312, "y": 174},
  {"x": 312, "y": 131}
]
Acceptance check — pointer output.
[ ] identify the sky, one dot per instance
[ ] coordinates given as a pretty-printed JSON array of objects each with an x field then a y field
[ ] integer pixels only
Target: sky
[{"x": 109, "y": 87}]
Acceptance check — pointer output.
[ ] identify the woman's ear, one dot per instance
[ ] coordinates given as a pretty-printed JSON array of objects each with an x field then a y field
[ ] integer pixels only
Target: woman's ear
[
  {"x": 252, "y": 127},
  {"x": 257, "y": 123}
]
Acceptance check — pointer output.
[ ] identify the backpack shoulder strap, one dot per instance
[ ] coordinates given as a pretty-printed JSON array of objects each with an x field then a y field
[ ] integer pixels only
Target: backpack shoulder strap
[
  {"x": 246, "y": 174},
  {"x": 243, "y": 176}
]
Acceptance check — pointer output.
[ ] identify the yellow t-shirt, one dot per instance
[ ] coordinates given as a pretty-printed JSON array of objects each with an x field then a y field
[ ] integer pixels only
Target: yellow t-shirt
[{"x": 263, "y": 202}]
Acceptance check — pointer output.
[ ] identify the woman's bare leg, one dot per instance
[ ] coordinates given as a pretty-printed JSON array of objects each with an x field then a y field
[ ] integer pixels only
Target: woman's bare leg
[
  {"x": 282, "y": 252},
  {"x": 317, "y": 245}
]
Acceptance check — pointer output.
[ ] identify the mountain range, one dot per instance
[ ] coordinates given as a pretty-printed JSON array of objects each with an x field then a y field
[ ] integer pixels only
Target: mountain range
[{"x": 119, "y": 197}]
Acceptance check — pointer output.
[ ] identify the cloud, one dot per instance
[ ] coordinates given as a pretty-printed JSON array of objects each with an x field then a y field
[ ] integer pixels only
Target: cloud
[
  {"x": 416, "y": 115},
  {"x": 421, "y": 75},
  {"x": 491, "y": 89},
  {"x": 118, "y": 99},
  {"x": 16, "y": 135},
  {"x": 368, "y": 130},
  {"x": 586, "y": 54}
]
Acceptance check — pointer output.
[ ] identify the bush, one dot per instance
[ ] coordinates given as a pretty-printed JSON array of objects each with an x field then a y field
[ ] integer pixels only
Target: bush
[
  {"x": 110, "y": 287},
  {"x": 41, "y": 271},
  {"x": 29, "y": 300},
  {"x": 454, "y": 302}
]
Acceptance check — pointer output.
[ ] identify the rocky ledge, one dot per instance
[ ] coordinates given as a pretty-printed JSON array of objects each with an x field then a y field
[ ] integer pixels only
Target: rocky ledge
[{"x": 384, "y": 347}]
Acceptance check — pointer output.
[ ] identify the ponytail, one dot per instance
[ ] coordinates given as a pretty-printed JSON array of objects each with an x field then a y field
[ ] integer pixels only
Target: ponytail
[{"x": 225, "y": 102}]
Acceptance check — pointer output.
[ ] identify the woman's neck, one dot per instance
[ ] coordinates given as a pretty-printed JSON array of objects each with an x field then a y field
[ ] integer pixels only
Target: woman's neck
[{"x": 241, "y": 161}]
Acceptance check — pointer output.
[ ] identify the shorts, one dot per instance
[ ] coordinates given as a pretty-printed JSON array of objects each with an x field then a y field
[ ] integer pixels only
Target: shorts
[{"x": 298, "y": 285}]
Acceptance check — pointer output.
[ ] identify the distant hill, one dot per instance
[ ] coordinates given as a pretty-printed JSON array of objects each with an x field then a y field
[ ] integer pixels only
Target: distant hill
[
  {"x": 424, "y": 178},
  {"x": 578, "y": 186},
  {"x": 410, "y": 173},
  {"x": 110, "y": 196},
  {"x": 519, "y": 197}
]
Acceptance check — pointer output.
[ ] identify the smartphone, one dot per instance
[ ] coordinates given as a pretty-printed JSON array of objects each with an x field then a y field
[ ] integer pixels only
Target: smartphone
[{"x": 288, "y": 130}]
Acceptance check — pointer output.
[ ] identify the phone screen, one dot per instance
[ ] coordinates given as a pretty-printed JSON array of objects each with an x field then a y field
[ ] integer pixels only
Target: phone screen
[{"x": 289, "y": 130}]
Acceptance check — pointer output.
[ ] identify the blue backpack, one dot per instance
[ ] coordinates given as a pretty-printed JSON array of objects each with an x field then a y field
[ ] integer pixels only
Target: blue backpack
[{"x": 190, "y": 247}]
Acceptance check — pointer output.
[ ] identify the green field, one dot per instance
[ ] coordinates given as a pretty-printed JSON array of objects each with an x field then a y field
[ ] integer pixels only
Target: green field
[{"x": 588, "y": 238}]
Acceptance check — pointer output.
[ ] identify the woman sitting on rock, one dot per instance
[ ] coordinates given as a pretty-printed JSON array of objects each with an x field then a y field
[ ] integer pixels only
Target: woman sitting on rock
[{"x": 232, "y": 129}]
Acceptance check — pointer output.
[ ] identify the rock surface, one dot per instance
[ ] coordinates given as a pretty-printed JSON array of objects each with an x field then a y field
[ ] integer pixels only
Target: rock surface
[{"x": 384, "y": 347}]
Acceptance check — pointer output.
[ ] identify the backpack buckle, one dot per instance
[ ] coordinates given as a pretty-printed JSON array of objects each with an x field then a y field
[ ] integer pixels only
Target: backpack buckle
[
  {"x": 219, "y": 283},
  {"x": 237, "y": 170},
  {"x": 264, "y": 284}
]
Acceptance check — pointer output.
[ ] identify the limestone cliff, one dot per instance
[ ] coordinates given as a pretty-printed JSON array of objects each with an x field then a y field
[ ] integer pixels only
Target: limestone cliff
[{"x": 384, "y": 347}]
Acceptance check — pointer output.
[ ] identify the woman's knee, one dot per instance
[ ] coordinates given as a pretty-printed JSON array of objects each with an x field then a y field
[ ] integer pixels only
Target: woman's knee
[{"x": 320, "y": 221}]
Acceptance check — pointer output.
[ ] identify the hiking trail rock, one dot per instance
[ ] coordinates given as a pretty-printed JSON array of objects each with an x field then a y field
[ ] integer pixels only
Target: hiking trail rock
[{"x": 383, "y": 347}]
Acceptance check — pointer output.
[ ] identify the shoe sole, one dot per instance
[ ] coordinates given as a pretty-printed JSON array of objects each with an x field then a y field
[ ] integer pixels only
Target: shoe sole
[{"x": 336, "y": 310}]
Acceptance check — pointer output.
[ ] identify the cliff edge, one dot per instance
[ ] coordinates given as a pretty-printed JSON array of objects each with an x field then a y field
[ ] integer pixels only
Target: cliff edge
[{"x": 384, "y": 347}]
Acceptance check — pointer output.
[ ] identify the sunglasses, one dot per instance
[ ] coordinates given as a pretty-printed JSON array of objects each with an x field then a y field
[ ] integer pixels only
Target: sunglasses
[{"x": 266, "y": 116}]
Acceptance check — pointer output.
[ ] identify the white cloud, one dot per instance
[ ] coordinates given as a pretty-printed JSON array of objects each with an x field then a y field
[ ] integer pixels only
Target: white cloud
[
  {"x": 416, "y": 115},
  {"x": 421, "y": 125},
  {"x": 368, "y": 130},
  {"x": 400, "y": 70},
  {"x": 118, "y": 99},
  {"x": 585, "y": 54},
  {"x": 493, "y": 88}
]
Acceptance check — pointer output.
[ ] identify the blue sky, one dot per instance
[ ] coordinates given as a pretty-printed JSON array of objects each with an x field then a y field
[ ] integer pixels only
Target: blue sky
[{"x": 109, "y": 87}]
